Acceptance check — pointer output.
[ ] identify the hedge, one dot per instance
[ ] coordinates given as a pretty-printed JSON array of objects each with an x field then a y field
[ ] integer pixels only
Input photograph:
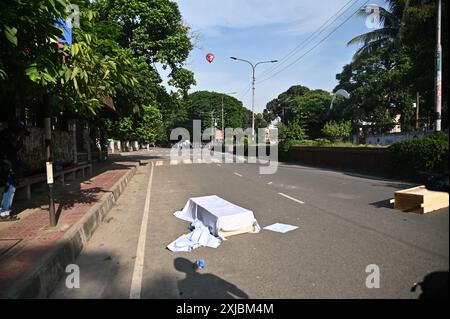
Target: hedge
[{"x": 427, "y": 154}]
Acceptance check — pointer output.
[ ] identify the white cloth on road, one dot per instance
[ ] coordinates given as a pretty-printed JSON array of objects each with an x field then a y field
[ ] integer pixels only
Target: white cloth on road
[
  {"x": 199, "y": 237},
  {"x": 218, "y": 214},
  {"x": 280, "y": 228}
]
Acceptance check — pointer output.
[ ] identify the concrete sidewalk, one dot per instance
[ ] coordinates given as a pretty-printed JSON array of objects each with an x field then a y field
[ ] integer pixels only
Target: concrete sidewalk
[{"x": 33, "y": 255}]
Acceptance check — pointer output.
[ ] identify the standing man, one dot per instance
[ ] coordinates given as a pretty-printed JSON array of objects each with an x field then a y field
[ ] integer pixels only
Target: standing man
[{"x": 11, "y": 141}]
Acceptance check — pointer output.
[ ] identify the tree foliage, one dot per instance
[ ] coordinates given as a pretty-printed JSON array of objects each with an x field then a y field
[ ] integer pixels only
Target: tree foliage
[
  {"x": 200, "y": 104},
  {"x": 300, "y": 105},
  {"x": 393, "y": 63},
  {"x": 335, "y": 131}
]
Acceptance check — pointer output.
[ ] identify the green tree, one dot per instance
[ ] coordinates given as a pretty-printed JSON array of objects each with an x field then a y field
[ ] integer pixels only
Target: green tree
[
  {"x": 149, "y": 124},
  {"x": 153, "y": 29},
  {"x": 407, "y": 32},
  {"x": 308, "y": 108},
  {"x": 293, "y": 131},
  {"x": 379, "y": 90},
  {"x": 201, "y": 103}
]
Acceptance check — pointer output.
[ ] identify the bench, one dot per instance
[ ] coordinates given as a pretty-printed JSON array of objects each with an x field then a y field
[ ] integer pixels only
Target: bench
[{"x": 27, "y": 182}]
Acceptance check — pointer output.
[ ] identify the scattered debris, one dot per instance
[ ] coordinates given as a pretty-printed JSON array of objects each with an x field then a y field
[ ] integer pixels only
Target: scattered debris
[
  {"x": 199, "y": 264},
  {"x": 280, "y": 228},
  {"x": 199, "y": 237}
]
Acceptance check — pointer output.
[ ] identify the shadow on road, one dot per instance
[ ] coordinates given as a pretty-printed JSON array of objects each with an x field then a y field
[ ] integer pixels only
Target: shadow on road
[
  {"x": 204, "y": 285},
  {"x": 434, "y": 286},
  {"x": 386, "y": 203}
]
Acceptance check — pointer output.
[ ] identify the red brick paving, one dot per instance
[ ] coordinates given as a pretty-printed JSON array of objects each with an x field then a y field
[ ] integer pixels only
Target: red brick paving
[{"x": 32, "y": 230}]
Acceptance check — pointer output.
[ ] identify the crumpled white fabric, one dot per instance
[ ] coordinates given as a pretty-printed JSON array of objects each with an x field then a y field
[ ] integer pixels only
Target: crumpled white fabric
[{"x": 199, "y": 237}]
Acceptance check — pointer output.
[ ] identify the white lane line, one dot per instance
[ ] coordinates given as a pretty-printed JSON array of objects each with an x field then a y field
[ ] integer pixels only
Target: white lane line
[
  {"x": 159, "y": 163},
  {"x": 291, "y": 198},
  {"x": 237, "y": 174},
  {"x": 136, "y": 281},
  {"x": 269, "y": 183}
]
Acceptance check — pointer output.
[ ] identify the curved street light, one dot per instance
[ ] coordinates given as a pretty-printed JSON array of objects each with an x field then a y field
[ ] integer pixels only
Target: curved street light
[
  {"x": 253, "y": 87},
  {"x": 340, "y": 92}
]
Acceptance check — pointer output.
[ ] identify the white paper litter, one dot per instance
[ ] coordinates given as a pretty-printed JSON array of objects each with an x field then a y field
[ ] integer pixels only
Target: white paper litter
[
  {"x": 280, "y": 228},
  {"x": 199, "y": 237}
]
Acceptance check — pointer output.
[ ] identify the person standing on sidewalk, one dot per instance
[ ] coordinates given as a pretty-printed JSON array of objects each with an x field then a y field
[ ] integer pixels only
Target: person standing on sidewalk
[{"x": 12, "y": 141}]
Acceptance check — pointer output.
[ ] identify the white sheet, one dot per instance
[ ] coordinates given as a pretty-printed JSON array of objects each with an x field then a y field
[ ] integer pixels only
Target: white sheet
[
  {"x": 218, "y": 214},
  {"x": 199, "y": 237},
  {"x": 280, "y": 228}
]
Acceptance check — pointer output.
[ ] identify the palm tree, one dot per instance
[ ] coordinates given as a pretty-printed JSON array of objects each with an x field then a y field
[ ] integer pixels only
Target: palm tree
[{"x": 387, "y": 35}]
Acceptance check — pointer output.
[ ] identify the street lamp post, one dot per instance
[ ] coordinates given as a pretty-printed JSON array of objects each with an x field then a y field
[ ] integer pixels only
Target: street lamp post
[
  {"x": 340, "y": 92},
  {"x": 253, "y": 87}
]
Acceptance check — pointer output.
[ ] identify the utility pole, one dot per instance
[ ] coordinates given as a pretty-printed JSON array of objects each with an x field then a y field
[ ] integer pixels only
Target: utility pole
[
  {"x": 417, "y": 110},
  {"x": 253, "y": 88},
  {"x": 223, "y": 119},
  {"x": 437, "y": 125},
  {"x": 49, "y": 170},
  {"x": 212, "y": 121}
]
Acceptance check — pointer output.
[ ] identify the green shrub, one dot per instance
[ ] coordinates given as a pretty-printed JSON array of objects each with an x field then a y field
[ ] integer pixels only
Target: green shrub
[
  {"x": 334, "y": 130},
  {"x": 283, "y": 146},
  {"x": 322, "y": 141},
  {"x": 293, "y": 131},
  {"x": 419, "y": 154}
]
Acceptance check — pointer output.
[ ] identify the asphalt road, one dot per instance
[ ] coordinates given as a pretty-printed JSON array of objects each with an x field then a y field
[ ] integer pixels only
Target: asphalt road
[{"x": 345, "y": 224}]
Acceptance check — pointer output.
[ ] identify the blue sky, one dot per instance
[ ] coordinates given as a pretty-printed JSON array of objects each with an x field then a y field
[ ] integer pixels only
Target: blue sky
[{"x": 259, "y": 30}]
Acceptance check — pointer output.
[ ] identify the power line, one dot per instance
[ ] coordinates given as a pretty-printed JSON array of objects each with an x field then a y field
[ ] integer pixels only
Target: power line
[
  {"x": 241, "y": 96},
  {"x": 308, "y": 40},
  {"x": 316, "y": 45}
]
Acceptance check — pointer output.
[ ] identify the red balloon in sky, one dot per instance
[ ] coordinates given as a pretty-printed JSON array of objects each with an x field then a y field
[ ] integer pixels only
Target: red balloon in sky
[{"x": 210, "y": 57}]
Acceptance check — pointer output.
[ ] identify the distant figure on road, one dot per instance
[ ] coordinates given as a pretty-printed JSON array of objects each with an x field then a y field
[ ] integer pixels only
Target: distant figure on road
[
  {"x": 10, "y": 167},
  {"x": 199, "y": 285},
  {"x": 184, "y": 144}
]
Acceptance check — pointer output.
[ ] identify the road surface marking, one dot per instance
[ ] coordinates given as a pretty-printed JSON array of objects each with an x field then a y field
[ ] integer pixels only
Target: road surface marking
[
  {"x": 291, "y": 198},
  {"x": 136, "y": 281},
  {"x": 237, "y": 174},
  {"x": 159, "y": 163},
  {"x": 269, "y": 183}
]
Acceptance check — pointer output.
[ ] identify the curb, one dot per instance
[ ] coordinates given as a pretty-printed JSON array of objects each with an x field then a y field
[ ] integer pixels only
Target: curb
[{"x": 40, "y": 281}]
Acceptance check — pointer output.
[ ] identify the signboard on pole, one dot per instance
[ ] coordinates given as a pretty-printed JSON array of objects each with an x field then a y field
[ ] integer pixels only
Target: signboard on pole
[{"x": 219, "y": 135}]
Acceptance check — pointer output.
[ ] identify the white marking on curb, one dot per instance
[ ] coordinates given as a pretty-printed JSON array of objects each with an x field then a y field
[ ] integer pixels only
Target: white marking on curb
[
  {"x": 291, "y": 198},
  {"x": 136, "y": 281},
  {"x": 173, "y": 162},
  {"x": 159, "y": 163},
  {"x": 187, "y": 161},
  {"x": 237, "y": 174}
]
